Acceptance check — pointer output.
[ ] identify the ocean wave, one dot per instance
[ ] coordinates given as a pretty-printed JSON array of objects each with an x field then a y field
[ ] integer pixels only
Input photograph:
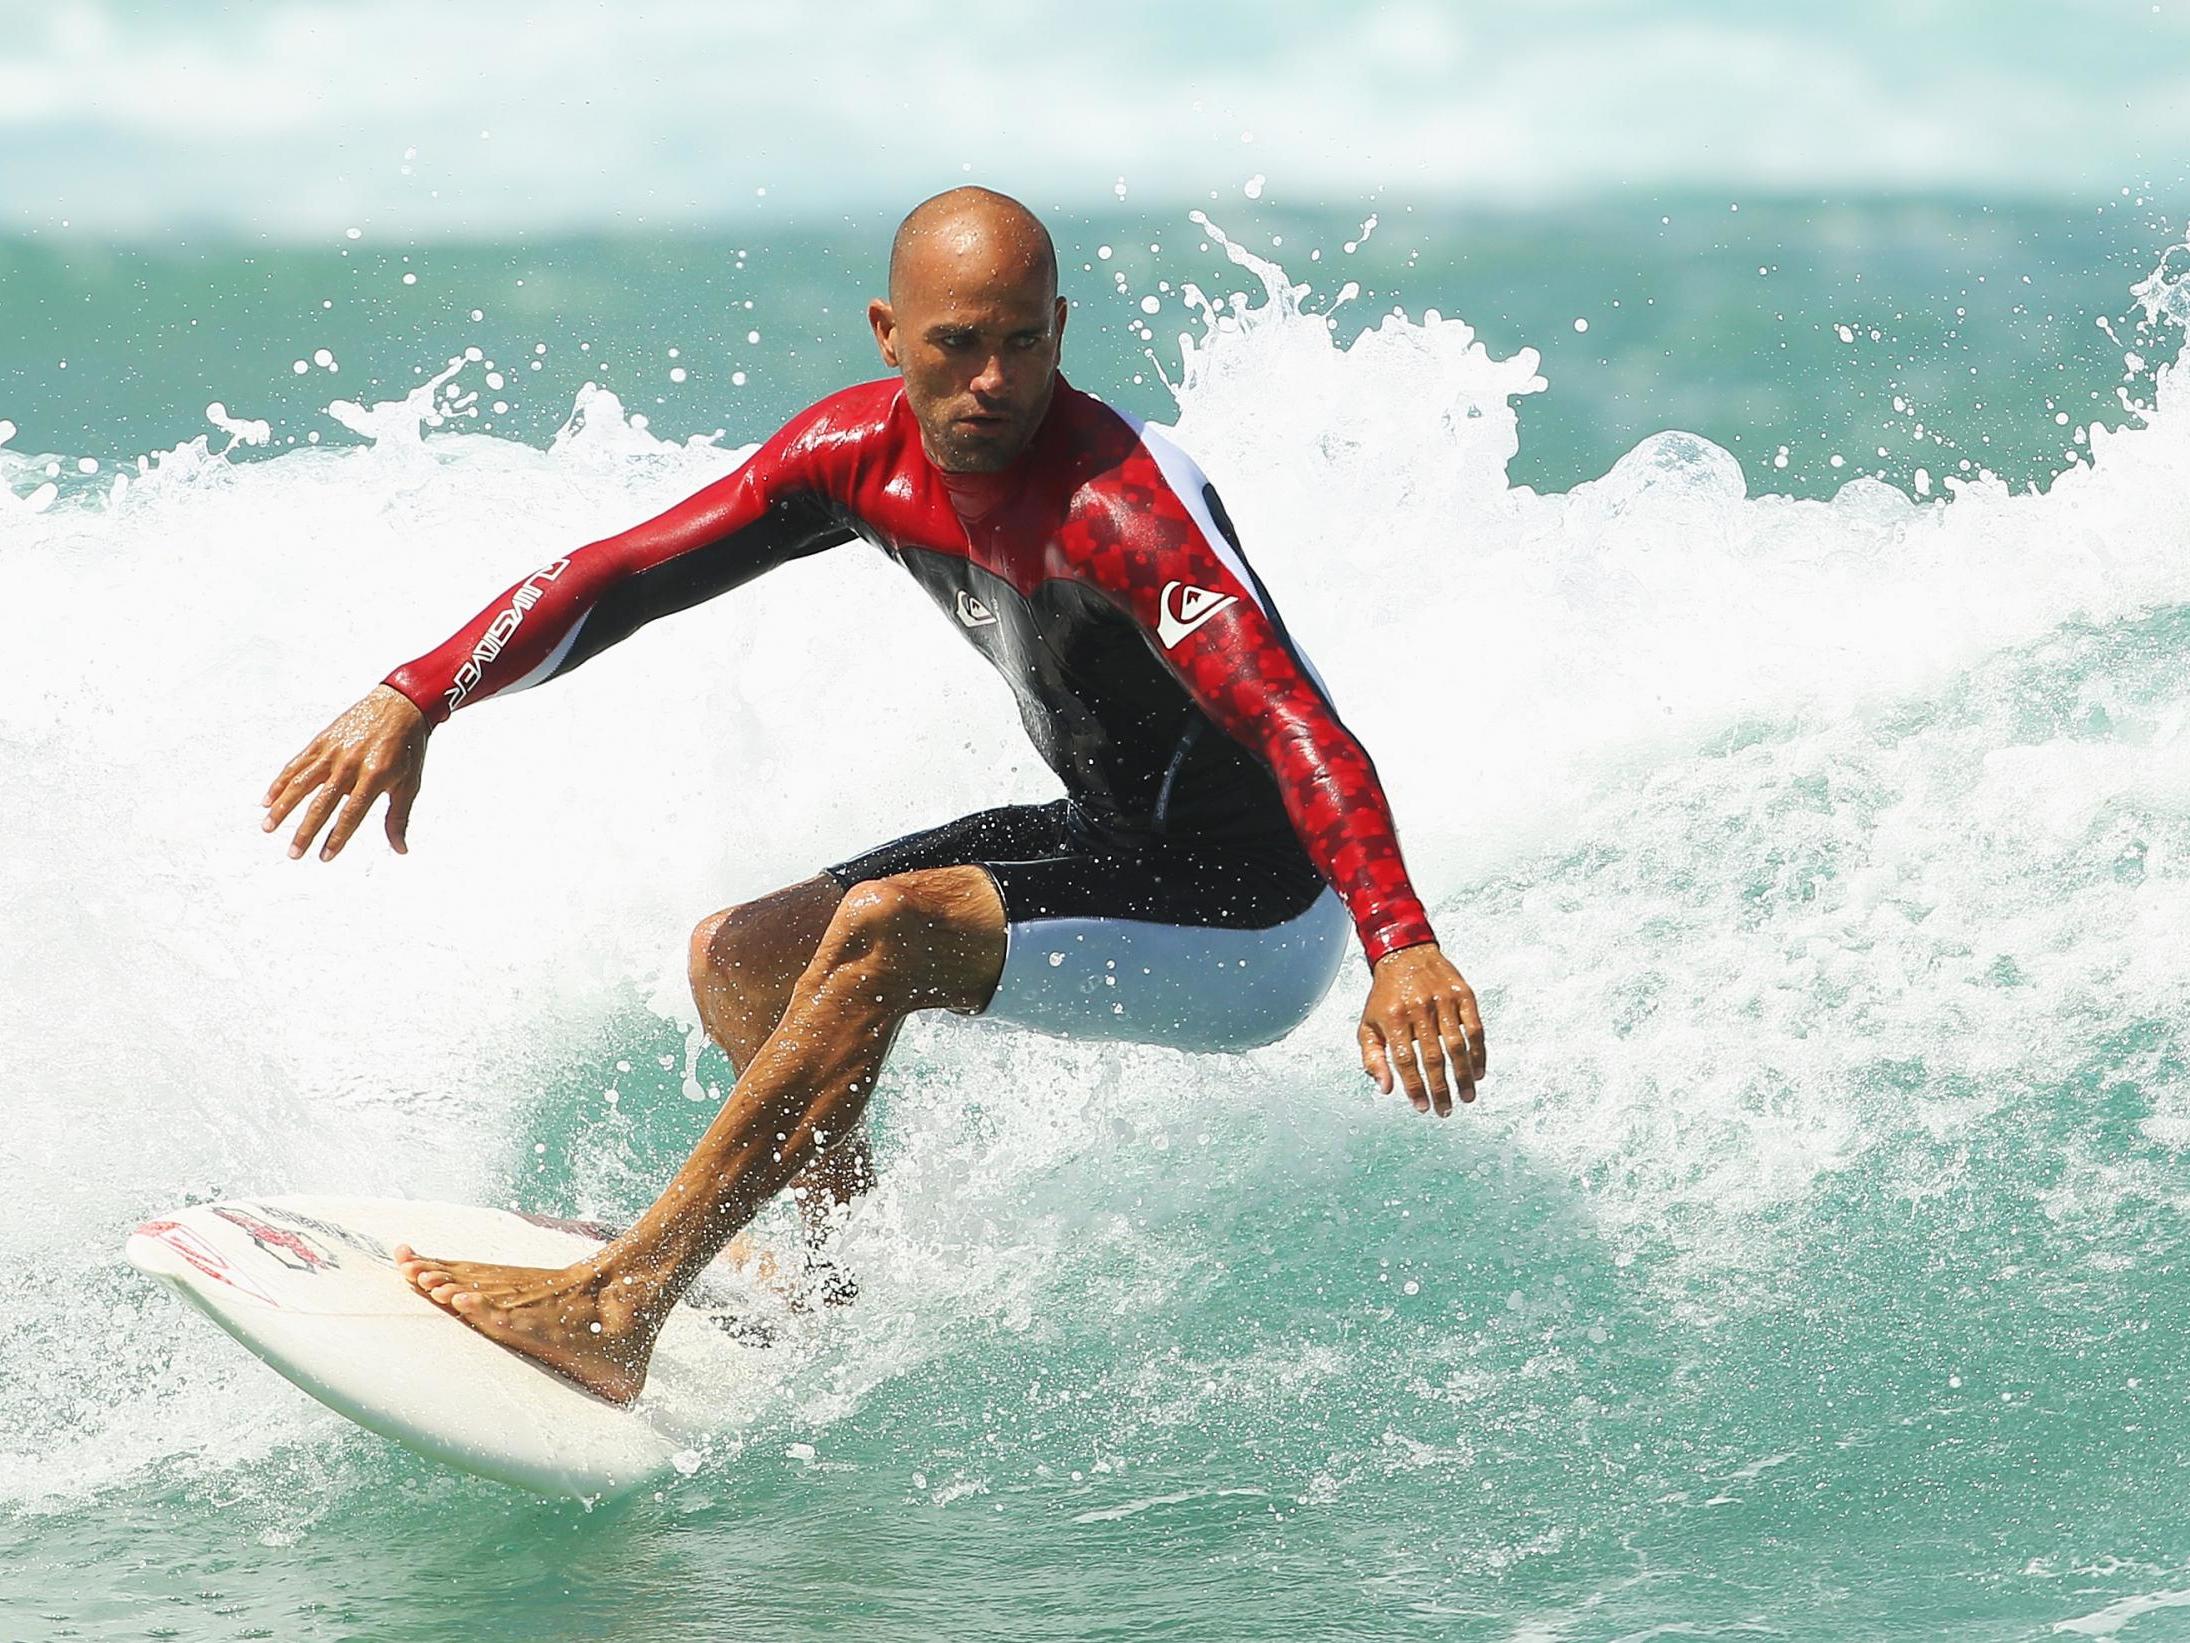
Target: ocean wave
[{"x": 1816, "y": 860}]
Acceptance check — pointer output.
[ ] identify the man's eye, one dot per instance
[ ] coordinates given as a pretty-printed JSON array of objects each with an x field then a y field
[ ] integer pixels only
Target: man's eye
[{"x": 1027, "y": 341}]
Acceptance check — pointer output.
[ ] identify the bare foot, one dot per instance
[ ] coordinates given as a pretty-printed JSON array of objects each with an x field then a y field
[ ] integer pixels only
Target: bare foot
[{"x": 573, "y": 1320}]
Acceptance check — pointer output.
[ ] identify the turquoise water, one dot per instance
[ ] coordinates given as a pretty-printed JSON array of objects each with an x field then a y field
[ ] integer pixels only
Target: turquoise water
[
  {"x": 1706, "y": 313},
  {"x": 1812, "y": 1267}
]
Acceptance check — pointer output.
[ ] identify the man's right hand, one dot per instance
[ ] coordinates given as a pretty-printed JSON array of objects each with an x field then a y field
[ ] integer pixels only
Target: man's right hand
[{"x": 378, "y": 746}]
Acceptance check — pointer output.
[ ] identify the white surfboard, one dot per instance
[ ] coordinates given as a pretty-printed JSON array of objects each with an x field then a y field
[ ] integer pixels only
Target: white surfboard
[{"x": 310, "y": 1286}]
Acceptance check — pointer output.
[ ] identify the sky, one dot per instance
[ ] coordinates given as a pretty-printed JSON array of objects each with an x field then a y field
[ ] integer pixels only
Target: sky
[{"x": 299, "y": 119}]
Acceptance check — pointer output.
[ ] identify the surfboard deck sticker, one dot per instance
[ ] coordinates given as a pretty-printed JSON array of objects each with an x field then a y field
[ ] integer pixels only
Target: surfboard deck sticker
[{"x": 309, "y": 1285}]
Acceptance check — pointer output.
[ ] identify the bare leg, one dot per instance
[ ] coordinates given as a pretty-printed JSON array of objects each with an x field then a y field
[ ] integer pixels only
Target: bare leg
[
  {"x": 744, "y": 962},
  {"x": 916, "y": 941}
]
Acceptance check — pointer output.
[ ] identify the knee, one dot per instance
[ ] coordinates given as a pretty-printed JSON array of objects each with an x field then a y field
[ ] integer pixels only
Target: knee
[
  {"x": 915, "y": 940},
  {"x": 718, "y": 944},
  {"x": 874, "y": 918},
  {"x": 888, "y": 929}
]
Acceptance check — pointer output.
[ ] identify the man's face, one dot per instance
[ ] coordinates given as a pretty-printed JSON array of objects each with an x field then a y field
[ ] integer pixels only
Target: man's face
[{"x": 974, "y": 328}]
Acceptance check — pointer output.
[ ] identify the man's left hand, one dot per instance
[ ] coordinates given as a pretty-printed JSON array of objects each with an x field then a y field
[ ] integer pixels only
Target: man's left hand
[{"x": 1421, "y": 1025}]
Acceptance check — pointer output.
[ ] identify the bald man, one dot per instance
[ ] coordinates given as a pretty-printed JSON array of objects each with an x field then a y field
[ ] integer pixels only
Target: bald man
[{"x": 1219, "y": 831}]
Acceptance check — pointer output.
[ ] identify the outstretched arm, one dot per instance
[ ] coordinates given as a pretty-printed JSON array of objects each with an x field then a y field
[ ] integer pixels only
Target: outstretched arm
[
  {"x": 1175, "y": 570},
  {"x": 769, "y": 511},
  {"x": 572, "y": 609}
]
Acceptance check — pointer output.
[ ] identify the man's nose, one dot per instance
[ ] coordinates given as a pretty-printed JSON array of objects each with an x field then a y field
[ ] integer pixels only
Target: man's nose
[{"x": 991, "y": 378}]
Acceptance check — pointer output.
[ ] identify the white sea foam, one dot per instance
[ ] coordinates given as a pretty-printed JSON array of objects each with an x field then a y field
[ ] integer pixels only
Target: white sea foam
[{"x": 1725, "y": 801}]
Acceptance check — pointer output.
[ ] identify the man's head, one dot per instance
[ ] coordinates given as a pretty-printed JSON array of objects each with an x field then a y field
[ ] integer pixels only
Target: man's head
[{"x": 973, "y": 323}]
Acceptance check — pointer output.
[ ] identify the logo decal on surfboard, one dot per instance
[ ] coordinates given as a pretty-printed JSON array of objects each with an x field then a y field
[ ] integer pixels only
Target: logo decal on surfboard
[
  {"x": 331, "y": 1232},
  {"x": 294, "y": 1250},
  {"x": 205, "y": 1258},
  {"x": 973, "y": 613}
]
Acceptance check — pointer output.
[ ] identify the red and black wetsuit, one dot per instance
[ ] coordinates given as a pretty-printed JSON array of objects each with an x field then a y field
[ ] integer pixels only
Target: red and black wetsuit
[{"x": 1101, "y": 577}]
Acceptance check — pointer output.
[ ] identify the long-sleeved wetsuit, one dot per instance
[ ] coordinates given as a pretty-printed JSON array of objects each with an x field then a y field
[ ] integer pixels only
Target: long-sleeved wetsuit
[{"x": 1100, "y": 576}]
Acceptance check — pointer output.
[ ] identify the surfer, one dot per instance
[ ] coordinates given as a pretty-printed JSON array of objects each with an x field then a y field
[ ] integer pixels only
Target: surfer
[{"x": 1219, "y": 831}]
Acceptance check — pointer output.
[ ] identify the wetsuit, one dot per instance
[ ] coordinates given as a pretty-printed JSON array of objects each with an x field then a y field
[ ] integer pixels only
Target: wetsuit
[{"x": 1177, "y": 893}]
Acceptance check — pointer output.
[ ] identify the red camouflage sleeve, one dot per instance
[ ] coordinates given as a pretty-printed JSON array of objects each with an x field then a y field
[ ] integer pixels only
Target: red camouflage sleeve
[
  {"x": 772, "y": 509},
  {"x": 1140, "y": 544}
]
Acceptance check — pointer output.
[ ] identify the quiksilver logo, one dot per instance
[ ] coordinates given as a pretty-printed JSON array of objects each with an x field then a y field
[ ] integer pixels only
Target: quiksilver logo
[
  {"x": 1184, "y": 607},
  {"x": 506, "y": 622},
  {"x": 973, "y": 613}
]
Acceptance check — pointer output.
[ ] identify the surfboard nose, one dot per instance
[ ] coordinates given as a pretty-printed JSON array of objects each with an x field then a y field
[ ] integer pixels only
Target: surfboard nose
[
  {"x": 169, "y": 1249},
  {"x": 308, "y": 1286}
]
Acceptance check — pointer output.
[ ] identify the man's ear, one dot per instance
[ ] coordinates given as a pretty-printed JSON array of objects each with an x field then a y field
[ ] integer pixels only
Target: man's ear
[
  {"x": 1058, "y": 348},
  {"x": 885, "y": 330}
]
